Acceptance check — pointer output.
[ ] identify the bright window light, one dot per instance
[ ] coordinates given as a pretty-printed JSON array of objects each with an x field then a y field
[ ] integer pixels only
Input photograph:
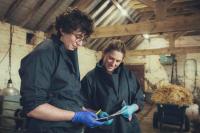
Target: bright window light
[{"x": 146, "y": 36}]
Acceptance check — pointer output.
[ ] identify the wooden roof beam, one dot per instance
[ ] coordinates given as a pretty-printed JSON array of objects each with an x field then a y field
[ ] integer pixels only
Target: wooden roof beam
[
  {"x": 137, "y": 42},
  {"x": 172, "y": 38},
  {"x": 176, "y": 50},
  {"x": 173, "y": 24},
  {"x": 173, "y": 6},
  {"x": 149, "y": 3},
  {"x": 12, "y": 8},
  {"x": 161, "y": 8},
  {"x": 81, "y": 4},
  {"x": 32, "y": 12},
  {"x": 49, "y": 13}
]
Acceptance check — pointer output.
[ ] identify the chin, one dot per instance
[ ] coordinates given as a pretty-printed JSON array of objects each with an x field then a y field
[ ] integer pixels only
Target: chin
[
  {"x": 110, "y": 70},
  {"x": 72, "y": 49}
]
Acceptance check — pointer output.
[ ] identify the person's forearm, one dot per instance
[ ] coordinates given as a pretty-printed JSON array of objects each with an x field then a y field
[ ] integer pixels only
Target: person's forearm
[
  {"x": 48, "y": 112},
  {"x": 88, "y": 109}
]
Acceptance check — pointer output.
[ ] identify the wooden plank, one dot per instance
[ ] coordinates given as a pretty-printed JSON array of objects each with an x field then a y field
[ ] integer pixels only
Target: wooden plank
[
  {"x": 161, "y": 9},
  {"x": 15, "y": 5},
  {"x": 173, "y": 24},
  {"x": 168, "y": 3},
  {"x": 149, "y": 3},
  {"x": 83, "y": 4},
  {"x": 32, "y": 12},
  {"x": 177, "y": 50},
  {"x": 49, "y": 13},
  {"x": 188, "y": 41},
  {"x": 173, "y": 6},
  {"x": 137, "y": 42},
  {"x": 171, "y": 40},
  {"x": 122, "y": 10},
  {"x": 136, "y": 7}
]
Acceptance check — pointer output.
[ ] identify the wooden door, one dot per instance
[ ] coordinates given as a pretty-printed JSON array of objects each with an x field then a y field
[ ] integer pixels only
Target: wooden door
[{"x": 139, "y": 73}]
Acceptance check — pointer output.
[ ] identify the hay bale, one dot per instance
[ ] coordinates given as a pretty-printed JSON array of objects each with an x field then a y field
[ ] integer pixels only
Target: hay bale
[{"x": 172, "y": 94}]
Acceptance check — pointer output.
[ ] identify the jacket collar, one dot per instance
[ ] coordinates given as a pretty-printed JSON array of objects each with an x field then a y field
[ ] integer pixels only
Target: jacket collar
[
  {"x": 71, "y": 57},
  {"x": 100, "y": 67}
]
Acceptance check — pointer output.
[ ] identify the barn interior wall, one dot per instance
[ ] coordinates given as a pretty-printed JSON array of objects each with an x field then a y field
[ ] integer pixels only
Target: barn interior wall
[{"x": 188, "y": 70}]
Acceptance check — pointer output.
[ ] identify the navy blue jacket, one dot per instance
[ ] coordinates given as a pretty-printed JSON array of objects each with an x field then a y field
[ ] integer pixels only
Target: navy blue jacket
[
  {"x": 50, "y": 74},
  {"x": 107, "y": 92}
]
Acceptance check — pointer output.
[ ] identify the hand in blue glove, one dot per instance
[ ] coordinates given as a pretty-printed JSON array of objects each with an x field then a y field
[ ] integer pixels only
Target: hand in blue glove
[
  {"x": 128, "y": 110},
  {"x": 105, "y": 114},
  {"x": 86, "y": 118}
]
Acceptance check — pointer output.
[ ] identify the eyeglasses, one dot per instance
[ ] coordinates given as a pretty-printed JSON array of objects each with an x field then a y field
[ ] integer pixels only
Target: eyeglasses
[{"x": 80, "y": 37}]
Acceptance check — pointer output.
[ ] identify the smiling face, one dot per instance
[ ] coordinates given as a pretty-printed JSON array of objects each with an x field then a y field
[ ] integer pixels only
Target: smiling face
[
  {"x": 72, "y": 40},
  {"x": 112, "y": 60}
]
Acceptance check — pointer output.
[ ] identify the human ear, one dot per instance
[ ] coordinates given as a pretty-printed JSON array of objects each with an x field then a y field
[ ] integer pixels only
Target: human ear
[{"x": 61, "y": 31}]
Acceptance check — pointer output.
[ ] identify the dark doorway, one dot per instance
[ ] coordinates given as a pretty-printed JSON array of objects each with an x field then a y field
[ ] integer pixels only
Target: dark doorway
[{"x": 139, "y": 72}]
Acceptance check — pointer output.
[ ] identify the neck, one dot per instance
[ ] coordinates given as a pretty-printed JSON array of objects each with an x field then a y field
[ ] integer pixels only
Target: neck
[{"x": 109, "y": 72}]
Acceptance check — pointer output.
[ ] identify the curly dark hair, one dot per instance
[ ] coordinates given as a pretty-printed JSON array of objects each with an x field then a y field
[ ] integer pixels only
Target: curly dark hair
[
  {"x": 117, "y": 45},
  {"x": 74, "y": 19}
]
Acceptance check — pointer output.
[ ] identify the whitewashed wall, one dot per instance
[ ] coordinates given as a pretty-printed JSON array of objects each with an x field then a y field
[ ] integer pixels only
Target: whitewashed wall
[
  {"x": 19, "y": 50},
  {"x": 87, "y": 60},
  {"x": 156, "y": 72}
]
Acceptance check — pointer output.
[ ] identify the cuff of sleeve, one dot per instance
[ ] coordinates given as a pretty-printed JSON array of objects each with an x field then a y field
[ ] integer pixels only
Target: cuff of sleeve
[{"x": 29, "y": 106}]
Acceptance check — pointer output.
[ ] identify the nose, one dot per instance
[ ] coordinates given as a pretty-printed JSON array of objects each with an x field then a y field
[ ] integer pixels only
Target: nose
[{"x": 113, "y": 63}]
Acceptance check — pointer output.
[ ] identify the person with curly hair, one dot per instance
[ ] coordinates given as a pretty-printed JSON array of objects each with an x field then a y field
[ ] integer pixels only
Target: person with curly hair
[{"x": 50, "y": 79}]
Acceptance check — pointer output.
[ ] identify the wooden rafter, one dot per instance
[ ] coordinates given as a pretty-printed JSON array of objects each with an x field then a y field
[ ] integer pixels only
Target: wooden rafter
[
  {"x": 122, "y": 10},
  {"x": 146, "y": 16},
  {"x": 100, "y": 42},
  {"x": 172, "y": 38},
  {"x": 83, "y": 4},
  {"x": 149, "y": 3},
  {"x": 91, "y": 43},
  {"x": 137, "y": 42},
  {"x": 12, "y": 8},
  {"x": 173, "y": 24},
  {"x": 129, "y": 41},
  {"x": 102, "y": 45},
  {"x": 32, "y": 12},
  {"x": 49, "y": 13},
  {"x": 80, "y": 4},
  {"x": 172, "y": 6},
  {"x": 176, "y": 50},
  {"x": 171, "y": 13},
  {"x": 159, "y": 7}
]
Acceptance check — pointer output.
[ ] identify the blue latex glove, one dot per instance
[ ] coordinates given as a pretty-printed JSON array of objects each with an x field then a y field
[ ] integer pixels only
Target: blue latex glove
[
  {"x": 87, "y": 118},
  {"x": 128, "y": 110},
  {"x": 105, "y": 114}
]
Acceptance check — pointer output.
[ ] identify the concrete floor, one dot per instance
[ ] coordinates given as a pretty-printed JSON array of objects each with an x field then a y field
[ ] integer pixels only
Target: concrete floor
[{"x": 146, "y": 118}]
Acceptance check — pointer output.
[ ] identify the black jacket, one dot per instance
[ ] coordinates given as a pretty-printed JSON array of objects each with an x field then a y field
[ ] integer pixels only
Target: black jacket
[
  {"x": 50, "y": 74},
  {"x": 106, "y": 92}
]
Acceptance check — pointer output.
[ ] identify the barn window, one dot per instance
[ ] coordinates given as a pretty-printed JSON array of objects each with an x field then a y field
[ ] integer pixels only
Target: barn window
[{"x": 30, "y": 38}]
